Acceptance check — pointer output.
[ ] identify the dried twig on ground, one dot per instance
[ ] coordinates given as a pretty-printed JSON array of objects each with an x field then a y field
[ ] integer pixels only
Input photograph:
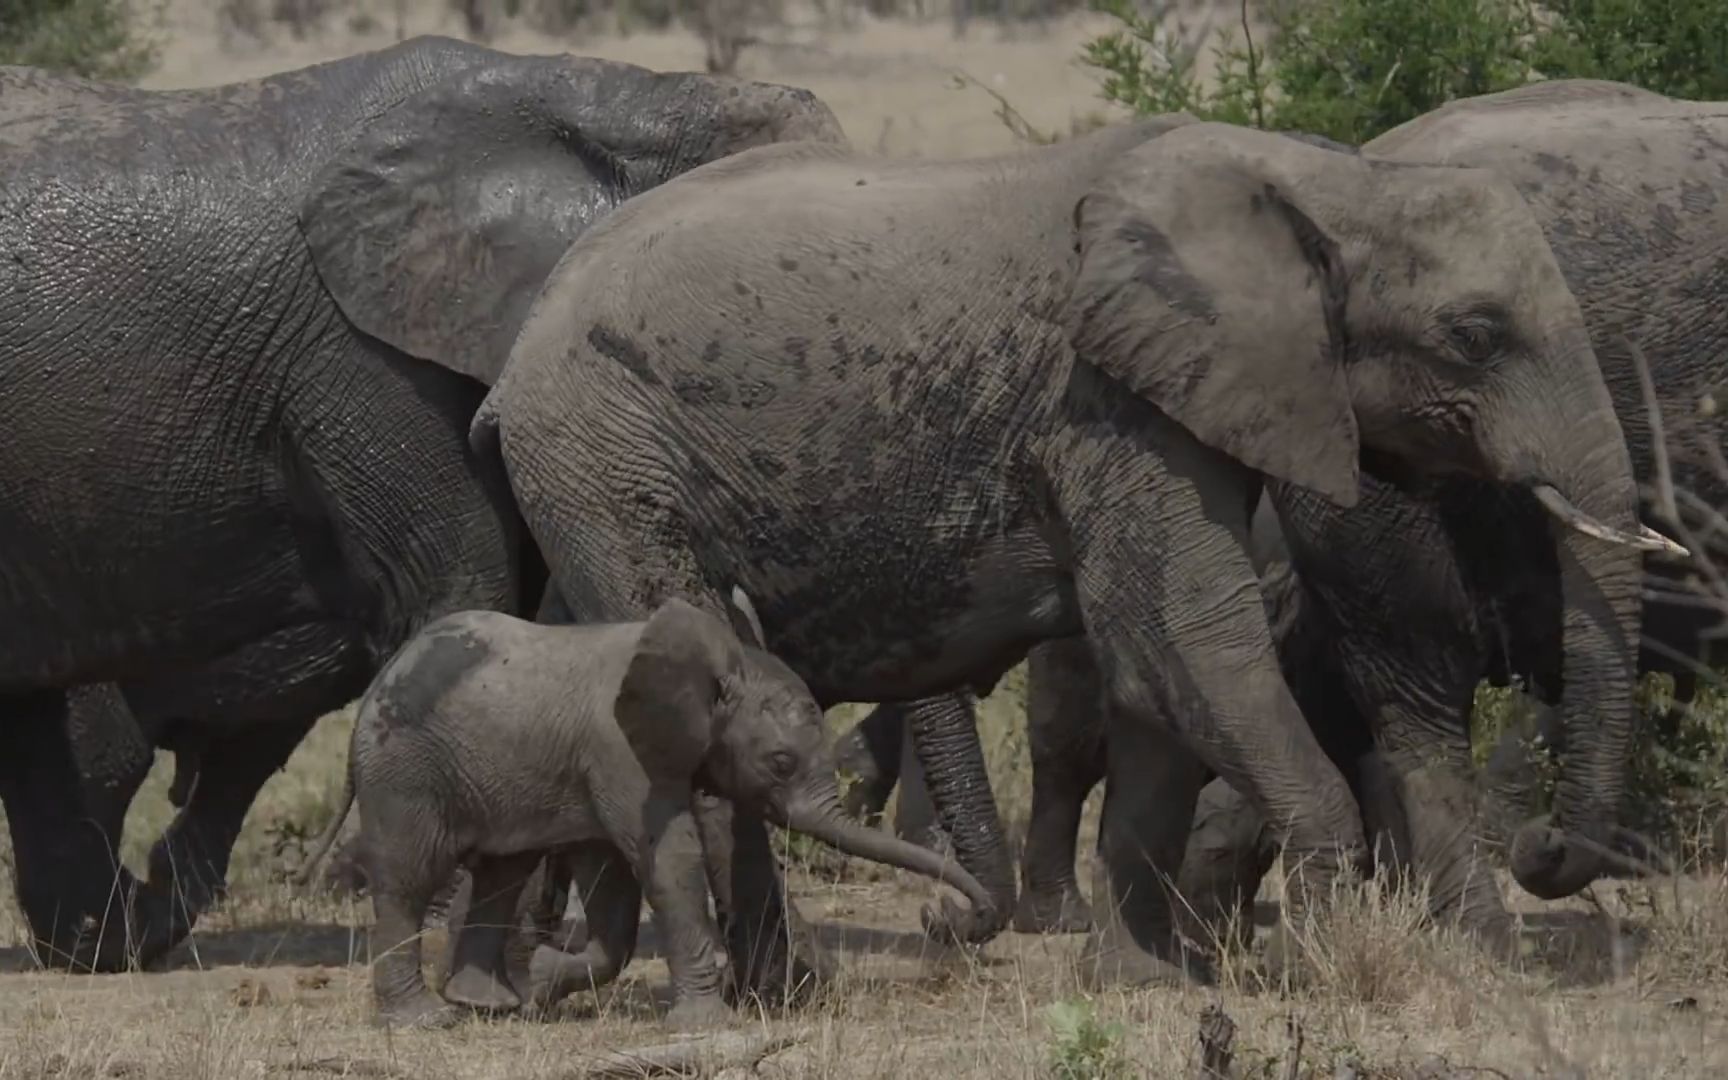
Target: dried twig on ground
[
  {"x": 699, "y": 1055},
  {"x": 338, "y": 1066}
]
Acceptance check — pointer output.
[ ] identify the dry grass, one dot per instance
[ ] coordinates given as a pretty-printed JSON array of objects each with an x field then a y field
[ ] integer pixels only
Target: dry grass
[{"x": 275, "y": 985}]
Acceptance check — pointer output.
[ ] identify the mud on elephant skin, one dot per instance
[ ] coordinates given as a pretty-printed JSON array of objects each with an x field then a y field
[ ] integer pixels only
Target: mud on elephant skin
[
  {"x": 267, "y": 326},
  {"x": 491, "y": 742},
  {"x": 931, "y": 414}
]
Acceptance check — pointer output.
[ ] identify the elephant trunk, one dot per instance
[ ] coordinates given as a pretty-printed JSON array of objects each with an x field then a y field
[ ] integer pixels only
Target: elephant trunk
[
  {"x": 1599, "y": 545},
  {"x": 819, "y": 815},
  {"x": 944, "y": 735}
]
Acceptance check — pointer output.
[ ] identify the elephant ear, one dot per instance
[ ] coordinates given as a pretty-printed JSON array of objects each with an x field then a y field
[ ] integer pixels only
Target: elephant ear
[
  {"x": 668, "y": 702},
  {"x": 1207, "y": 287},
  {"x": 436, "y": 227}
]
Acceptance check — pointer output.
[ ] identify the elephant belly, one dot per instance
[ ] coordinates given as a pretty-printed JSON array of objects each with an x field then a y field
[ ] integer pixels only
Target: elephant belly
[
  {"x": 539, "y": 828},
  {"x": 930, "y": 632},
  {"x": 117, "y": 565}
]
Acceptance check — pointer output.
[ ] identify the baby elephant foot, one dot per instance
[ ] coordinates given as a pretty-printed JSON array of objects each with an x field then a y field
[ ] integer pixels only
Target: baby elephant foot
[
  {"x": 1052, "y": 911},
  {"x": 421, "y": 1011},
  {"x": 481, "y": 991},
  {"x": 699, "y": 1014}
]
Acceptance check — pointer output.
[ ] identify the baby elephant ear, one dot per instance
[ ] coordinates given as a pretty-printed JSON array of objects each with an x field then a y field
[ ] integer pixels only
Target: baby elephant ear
[{"x": 666, "y": 702}]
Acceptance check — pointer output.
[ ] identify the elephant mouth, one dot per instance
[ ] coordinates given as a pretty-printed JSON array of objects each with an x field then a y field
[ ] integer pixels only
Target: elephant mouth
[{"x": 1562, "y": 509}]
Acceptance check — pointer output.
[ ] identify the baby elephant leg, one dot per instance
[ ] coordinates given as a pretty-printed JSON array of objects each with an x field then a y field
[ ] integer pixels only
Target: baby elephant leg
[
  {"x": 478, "y": 978},
  {"x": 399, "y": 902},
  {"x": 612, "y": 901}
]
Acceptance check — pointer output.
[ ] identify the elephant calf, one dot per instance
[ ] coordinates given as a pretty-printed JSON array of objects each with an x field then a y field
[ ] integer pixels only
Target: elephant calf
[{"x": 490, "y": 741}]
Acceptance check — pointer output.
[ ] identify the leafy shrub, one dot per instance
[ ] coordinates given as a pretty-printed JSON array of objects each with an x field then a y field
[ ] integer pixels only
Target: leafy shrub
[
  {"x": 96, "y": 39},
  {"x": 1674, "y": 47},
  {"x": 1352, "y": 69}
]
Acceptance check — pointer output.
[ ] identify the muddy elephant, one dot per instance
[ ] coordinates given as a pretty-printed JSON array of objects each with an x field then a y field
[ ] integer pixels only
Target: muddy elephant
[
  {"x": 246, "y": 330},
  {"x": 1419, "y": 591},
  {"x": 929, "y": 414}
]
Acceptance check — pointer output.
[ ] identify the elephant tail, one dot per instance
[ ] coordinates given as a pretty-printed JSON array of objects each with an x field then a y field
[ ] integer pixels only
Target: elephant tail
[{"x": 327, "y": 839}]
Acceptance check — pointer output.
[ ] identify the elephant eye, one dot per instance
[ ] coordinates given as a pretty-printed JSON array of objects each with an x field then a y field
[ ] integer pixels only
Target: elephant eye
[
  {"x": 1477, "y": 336},
  {"x": 783, "y": 764}
]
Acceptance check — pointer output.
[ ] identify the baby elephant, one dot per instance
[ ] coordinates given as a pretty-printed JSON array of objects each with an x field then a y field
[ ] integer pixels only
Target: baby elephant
[{"x": 489, "y": 741}]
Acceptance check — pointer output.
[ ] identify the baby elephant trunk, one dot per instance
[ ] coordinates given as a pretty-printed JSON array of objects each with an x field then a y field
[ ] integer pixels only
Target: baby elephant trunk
[{"x": 820, "y": 816}]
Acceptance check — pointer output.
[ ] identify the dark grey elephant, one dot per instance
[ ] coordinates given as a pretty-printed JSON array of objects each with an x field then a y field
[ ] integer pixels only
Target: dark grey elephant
[
  {"x": 929, "y": 414},
  {"x": 244, "y": 331},
  {"x": 1418, "y": 592}
]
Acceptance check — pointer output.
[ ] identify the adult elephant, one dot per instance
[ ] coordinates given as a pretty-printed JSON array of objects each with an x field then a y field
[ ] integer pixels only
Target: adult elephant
[
  {"x": 243, "y": 333},
  {"x": 1417, "y": 593},
  {"x": 929, "y": 414}
]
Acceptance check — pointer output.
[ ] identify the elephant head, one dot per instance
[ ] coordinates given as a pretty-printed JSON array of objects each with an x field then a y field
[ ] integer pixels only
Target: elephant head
[
  {"x": 1312, "y": 312},
  {"x": 435, "y": 228},
  {"x": 695, "y": 700}
]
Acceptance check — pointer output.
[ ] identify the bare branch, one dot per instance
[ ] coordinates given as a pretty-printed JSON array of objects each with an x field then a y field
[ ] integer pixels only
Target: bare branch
[{"x": 707, "y": 1054}]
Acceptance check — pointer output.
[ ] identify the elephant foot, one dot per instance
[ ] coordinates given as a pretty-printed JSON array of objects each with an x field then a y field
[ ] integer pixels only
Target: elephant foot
[
  {"x": 952, "y": 923},
  {"x": 481, "y": 991},
  {"x": 135, "y": 929},
  {"x": 1052, "y": 911},
  {"x": 554, "y": 974},
  {"x": 1113, "y": 959},
  {"x": 700, "y": 1013},
  {"x": 418, "y": 1011}
]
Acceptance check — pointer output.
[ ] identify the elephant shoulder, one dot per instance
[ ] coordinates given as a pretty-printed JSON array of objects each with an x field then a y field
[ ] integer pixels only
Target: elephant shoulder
[{"x": 1532, "y": 111}]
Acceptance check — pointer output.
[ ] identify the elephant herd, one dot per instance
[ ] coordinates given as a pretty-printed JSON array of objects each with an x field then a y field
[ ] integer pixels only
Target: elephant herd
[{"x": 1264, "y": 450}]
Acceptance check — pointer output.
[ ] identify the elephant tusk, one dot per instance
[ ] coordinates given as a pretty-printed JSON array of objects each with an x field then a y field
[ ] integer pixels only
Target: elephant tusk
[{"x": 1646, "y": 539}]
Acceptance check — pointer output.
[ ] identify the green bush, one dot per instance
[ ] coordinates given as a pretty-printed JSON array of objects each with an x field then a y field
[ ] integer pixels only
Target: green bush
[
  {"x": 1674, "y": 47},
  {"x": 1352, "y": 69},
  {"x": 97, "y": 39}
]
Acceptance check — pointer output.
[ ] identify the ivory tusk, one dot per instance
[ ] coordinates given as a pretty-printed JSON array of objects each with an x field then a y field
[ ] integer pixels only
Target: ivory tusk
[{"x": 1646, "y": 539}]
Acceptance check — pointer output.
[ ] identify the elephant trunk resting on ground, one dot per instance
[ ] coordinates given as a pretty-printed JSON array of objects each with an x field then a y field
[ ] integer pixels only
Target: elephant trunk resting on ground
[
  {"x": 929, "y": 414},
  {"x": 243, "y": 333}
]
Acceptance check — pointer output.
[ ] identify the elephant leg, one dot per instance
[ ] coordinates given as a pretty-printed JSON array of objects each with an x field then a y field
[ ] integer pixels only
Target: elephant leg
[
  {"x": 1149, "y": 795},
  {"x": 1407, "y": 667},
  {"x": 773, "y": 952},
  {"x": 612, "y": 900},
  {"x": 1229, "y": 851},
  {"x": 191, "y": 859},
  {"x": 403, "y": 880},
  {"x": 113, "y": 752},
  {"x": 1065, "y": 726},
  {"x": 1173, "y": 612},
  {"x": 82, "y": 906},
  {"x": 479, "y": 979},
  {"x": 869, "y": 757}
]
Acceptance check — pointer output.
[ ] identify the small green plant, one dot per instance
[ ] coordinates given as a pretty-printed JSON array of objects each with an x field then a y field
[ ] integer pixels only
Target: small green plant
[{"x": 1082, "y": 1047}]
